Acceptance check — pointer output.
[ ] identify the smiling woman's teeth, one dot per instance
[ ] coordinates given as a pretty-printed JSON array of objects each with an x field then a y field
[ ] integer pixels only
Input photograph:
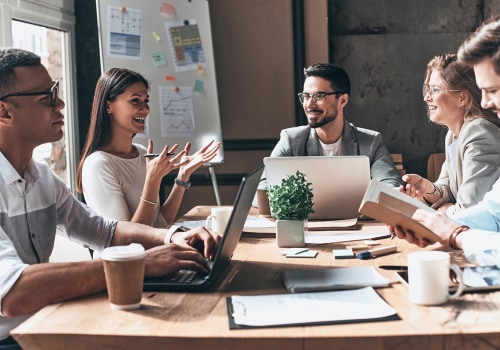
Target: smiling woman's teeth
[{"x": 139, "y": 120}]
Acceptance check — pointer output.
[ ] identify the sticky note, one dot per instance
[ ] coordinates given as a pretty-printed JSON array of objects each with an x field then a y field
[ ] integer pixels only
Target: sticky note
[
  {"x": 358, "y": 247},
  {"x": 306, "y": 254},
  {"x": 293, "y": 251},
  {"x": 343, "y": 254},
  {"x": 170, "y": 78},
  {"x": 156, "y": 36},
  {"x": 158, "y": 58},
  {"x": 198, "y": 87},
  {"x": 167, "y": 8}
]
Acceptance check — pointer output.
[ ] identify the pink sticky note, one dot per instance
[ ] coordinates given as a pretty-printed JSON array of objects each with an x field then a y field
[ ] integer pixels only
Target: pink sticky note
[{"x": 167, "y": 9}]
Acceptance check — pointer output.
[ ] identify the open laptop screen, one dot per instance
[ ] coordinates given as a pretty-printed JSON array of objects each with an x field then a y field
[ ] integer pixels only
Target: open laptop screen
[{"x": 338, "y": 183}]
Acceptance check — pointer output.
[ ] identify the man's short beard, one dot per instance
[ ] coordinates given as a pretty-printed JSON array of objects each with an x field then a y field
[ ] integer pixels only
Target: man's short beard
[{"x": 322, "y": 122}]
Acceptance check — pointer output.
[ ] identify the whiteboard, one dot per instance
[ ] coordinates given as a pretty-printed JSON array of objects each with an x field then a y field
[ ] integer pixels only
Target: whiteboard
[{"x": 170, "y": 44}]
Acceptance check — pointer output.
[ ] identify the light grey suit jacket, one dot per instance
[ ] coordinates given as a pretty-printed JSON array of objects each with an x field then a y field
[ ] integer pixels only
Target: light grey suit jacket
[
  {"x": 477, "y": 165},
  {"x": 303, "y": 141}
]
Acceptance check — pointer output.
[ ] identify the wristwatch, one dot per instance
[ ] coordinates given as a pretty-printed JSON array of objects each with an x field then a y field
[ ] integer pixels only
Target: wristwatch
[{"x": 184, "y": 184}]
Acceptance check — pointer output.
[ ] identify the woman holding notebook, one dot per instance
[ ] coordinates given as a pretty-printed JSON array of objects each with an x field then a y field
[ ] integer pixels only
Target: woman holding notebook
[{"x": 472, "y": 163}]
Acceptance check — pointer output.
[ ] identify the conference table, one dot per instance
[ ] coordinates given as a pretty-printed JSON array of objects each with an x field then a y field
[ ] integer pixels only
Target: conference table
[{"x": 173, "y": 320}]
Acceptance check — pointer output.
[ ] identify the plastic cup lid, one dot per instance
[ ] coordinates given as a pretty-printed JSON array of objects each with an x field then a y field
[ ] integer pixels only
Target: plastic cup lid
[{"x": 124, "y": 252}]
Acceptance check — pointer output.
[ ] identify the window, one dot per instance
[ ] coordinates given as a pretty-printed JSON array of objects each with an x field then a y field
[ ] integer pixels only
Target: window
[{"x": 49, "y": 37}]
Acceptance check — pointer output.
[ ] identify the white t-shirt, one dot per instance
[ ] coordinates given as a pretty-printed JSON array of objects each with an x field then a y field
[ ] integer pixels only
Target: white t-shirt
[
  {"x": 112, "y": 186},
  {"x": 331, "y": 149}
]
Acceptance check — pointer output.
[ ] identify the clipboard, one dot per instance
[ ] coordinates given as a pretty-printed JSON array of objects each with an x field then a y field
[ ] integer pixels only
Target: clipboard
[{"x": 388, "y": 314}]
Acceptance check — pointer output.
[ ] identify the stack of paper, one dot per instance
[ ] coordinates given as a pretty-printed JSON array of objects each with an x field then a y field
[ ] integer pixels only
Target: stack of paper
[{"x": 264, "y": 225}]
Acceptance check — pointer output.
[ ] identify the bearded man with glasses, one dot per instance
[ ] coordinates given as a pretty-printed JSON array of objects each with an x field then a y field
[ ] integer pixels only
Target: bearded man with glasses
[{"x": 326, "y": 93}]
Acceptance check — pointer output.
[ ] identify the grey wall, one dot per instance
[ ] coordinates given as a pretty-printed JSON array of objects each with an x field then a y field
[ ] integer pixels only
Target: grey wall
[{"x": 385, "y": 45}]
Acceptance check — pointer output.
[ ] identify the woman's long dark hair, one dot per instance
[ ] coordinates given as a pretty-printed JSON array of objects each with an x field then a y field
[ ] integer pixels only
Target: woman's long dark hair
[{"x": 111, "y": 84}]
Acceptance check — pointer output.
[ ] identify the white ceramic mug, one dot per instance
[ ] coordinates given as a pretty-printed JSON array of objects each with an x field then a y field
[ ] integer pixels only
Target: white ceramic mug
[
  {"x": 429, "y": 277},
  {"x": 218, "y": 219}
]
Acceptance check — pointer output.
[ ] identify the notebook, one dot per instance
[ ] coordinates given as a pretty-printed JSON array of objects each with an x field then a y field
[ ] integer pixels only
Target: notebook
[
  {"x": 338, "y": 183},
  {"x": 339, "y": 278},
  {"x": 226, "y": 247}
]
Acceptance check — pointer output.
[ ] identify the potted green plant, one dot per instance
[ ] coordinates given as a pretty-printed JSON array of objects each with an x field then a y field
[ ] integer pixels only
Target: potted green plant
[{"x": 291, "y": 202}]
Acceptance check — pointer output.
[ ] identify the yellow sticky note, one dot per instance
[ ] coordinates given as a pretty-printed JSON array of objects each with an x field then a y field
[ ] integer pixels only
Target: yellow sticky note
[{"x": 156, "y": 36}]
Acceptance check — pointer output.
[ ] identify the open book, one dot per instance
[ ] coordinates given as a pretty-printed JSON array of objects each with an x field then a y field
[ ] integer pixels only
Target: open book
[{"x": 386, "y": 204}]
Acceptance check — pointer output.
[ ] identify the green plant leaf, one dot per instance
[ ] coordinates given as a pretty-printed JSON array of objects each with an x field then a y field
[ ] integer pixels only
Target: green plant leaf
[{"x": 292, "y": 199}]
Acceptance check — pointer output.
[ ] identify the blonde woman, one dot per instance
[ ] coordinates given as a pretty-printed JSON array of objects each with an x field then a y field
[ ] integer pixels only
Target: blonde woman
[{"x": 472, "y": 163}]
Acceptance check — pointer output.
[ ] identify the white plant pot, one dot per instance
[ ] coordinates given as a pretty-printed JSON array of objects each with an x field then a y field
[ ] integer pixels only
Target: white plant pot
[{"x": 290, "y": 233}]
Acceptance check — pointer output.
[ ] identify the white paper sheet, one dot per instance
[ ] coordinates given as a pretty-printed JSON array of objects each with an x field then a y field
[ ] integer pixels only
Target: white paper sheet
[{"x": 303, "y": 308}]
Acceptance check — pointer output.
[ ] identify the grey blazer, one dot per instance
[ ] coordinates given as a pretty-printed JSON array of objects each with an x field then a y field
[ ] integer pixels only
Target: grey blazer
[
  {"x": 477, "y": 165},
  {"x": 303, "y": 141}
]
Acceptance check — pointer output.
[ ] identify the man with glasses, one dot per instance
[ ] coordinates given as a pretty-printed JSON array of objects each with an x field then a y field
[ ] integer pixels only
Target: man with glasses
[
  {"x": 326, "y": 93},
  {"x": 34, "y": 203},
  {"x": 51, "y": 94},
  {"x": 475, "y": 229}
]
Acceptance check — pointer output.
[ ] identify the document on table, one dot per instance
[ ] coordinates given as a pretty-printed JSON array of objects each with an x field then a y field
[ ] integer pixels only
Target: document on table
[
  {"x": 324, "y": 237},
  {"x": 320, "y": 232},
  {"x": 358, "y": 305},
  {"x": 255, "y": 224}
]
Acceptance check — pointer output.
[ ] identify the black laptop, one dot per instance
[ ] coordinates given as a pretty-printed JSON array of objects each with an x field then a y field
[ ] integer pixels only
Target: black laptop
[{"x": 188, "y": 281}]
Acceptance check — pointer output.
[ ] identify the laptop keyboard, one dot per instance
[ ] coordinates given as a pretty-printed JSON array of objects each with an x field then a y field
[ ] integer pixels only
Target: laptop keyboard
[{"x": 181, "y": 276}]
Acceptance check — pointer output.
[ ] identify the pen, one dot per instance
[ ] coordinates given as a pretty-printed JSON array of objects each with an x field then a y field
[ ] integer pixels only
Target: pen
[
  {"x": 367, "y": 254},
  {"x": 394, "y": 267},
  {"x": 154, "y": 155}
]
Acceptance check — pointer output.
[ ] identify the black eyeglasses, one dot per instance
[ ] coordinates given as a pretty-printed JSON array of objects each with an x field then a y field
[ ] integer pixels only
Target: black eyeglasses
[
  {"x": 318, "y": 97},
  {"x": 53, "y": 92}
]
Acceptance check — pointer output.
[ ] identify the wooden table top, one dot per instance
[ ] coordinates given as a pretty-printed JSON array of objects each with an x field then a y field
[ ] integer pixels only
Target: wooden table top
[{"x": 188, "y": 320}]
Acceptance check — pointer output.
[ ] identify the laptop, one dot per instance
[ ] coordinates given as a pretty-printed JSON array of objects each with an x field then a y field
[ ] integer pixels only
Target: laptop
[
  {"x": 338, "y": 183},
  {"x": 199, "y": 282}
]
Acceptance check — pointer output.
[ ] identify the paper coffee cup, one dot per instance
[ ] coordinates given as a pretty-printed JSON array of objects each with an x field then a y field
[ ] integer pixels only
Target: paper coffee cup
[
  {"x": 124, "y": 272},
  {"x": 263, "y": 203}
]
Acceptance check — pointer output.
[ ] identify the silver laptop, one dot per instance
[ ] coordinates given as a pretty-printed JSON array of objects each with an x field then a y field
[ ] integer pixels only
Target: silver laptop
[
  {"x": 338, "y": 183},
  {"x": 186, "y": 281}
]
